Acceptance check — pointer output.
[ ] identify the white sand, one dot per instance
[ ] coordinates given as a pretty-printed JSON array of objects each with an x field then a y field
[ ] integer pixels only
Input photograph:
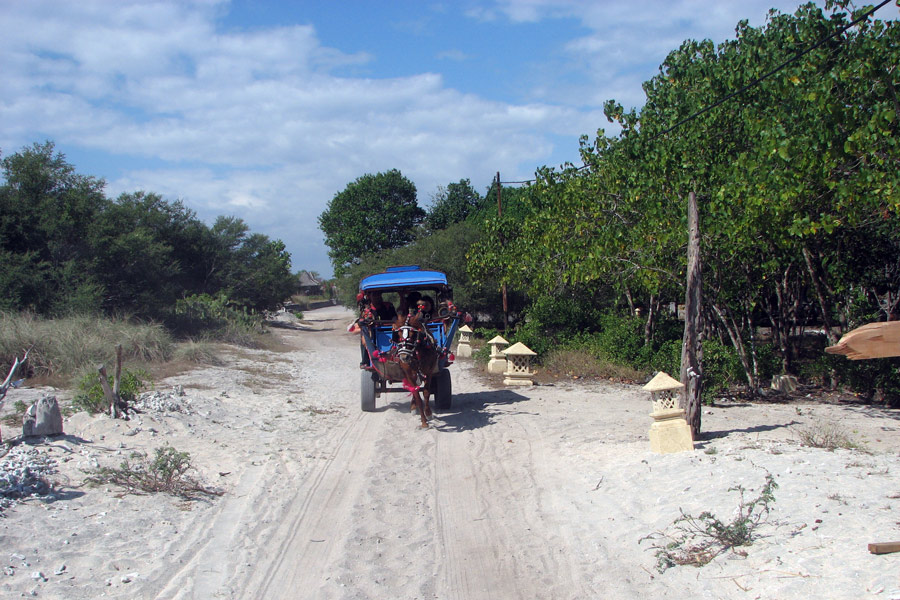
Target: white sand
[{"x": 537, "y": 492}]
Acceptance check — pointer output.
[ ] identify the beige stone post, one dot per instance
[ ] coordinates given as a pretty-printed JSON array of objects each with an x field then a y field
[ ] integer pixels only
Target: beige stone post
[
  {"x": 464, "y": 348},
  {"x": 669, "y": 431},
  {"x": 518, "y": 365},
  {"x": 497, "y": 364}
]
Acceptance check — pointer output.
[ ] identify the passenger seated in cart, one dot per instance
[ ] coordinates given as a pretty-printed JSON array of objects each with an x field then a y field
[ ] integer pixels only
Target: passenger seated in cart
[
  {"x": 408, "y": 303},
  {"x": 384, "y": 310},
  {"x": 425, "y": 309},
  {"x": 376, "y": 309}
]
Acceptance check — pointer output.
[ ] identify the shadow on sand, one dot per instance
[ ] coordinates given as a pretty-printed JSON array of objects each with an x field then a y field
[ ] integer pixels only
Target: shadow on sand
[
  {"x": 468, "y": 411},
  {"x": 706, "y": 436}
]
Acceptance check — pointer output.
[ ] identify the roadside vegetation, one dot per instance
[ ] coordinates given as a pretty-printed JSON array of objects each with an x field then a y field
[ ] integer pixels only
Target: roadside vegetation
[
  {"x": 168, "y": 471},
  {"x": 797, "y": 180},
  {"x": 696, "y": 541},
  {"x": 798, "y": 186}
]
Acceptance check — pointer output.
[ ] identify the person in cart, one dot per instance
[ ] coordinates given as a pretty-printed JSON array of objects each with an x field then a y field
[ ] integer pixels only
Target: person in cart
[{"x": 378, "y": 309}]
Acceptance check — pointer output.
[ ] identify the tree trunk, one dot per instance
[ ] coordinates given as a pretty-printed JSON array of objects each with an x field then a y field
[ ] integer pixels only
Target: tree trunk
[
  {"x": 630, "y": 301},
  {"x": 650, "y": 321},
  {"x": 734, "y": 335},
  {"x": 691, "y": 349},
  {"x": 820, "y": 296}
]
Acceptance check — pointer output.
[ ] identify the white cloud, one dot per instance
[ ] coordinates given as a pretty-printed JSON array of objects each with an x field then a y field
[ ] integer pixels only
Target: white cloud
[
  {"x": 627, "y": 41},
  {"x": 263, "y": 125}
]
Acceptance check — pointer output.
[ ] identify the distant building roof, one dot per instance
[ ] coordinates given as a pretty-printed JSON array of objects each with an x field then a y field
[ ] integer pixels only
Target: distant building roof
[{"x": 308, "y": 280}]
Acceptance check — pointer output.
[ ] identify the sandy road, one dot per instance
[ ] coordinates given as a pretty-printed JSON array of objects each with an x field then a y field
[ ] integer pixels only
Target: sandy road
[
  {"x": 456, "y": 511},
  {"x": 544, "y": 492}
]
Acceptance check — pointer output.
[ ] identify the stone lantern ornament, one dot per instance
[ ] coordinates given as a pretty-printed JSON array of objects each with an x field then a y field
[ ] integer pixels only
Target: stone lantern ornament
[
  {"x": 518, "y": 365},
  {"x": 464, "y": 348},
  {"x": 669, "y": 431},
  {"x": 497, "y": 364}
]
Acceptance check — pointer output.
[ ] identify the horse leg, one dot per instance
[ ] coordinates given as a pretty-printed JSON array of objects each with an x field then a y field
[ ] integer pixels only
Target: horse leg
[
  {"x": 426, "y": 393},
  {"x": 424, "y": 413}
]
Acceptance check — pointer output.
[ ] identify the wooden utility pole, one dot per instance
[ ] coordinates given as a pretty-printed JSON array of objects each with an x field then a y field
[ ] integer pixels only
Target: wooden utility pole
[
  {"x": 691, "y": 348},
  {"x": 505, "y": 302}
]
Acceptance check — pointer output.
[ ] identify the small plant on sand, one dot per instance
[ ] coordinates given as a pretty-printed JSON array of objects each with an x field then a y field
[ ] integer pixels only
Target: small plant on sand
[
  {"x": 166, "y": 472},
  {"x": 15, "y": 419},
  {"x": 828, "y": 435},
  {"x": 698, "y": 540},
  {"x": 90, "y": 397}
]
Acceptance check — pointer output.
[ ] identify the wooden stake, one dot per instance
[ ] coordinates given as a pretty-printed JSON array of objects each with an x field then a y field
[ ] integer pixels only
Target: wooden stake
[
  {"x": 884, "y": 547},
  {"x": 108, "y": 393}
]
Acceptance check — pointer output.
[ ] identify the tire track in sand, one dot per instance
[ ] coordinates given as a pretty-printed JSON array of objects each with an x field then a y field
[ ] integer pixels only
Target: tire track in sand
[{"x": 497, "y": 534}]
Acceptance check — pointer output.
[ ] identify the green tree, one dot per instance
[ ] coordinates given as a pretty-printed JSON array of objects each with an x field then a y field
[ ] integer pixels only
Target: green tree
[
  {"x": 47, "y": 213},
  {"x": 452, "y": 204},
  {"x": 373, "y": 213},
  {"x": 148, "y": 251},
  {"x": 251, "y": 269}
]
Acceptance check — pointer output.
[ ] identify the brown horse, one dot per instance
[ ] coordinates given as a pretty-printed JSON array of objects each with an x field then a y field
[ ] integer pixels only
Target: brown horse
[{"x": 417, "y": 355}]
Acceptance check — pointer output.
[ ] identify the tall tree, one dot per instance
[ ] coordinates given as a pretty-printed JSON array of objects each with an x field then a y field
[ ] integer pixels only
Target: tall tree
[
  {"x": 373, "y": 213},
  {"x": 452, "y": 204},
  {"x": 47, "y": 212}
]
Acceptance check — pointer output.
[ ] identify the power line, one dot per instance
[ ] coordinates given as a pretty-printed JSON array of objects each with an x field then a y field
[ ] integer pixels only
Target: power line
[{"x": 748, "y": 86}]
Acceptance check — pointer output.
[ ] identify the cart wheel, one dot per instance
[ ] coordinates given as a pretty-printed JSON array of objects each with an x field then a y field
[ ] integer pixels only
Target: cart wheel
[
  {"x": 442, "y": 389},
  {"x": 367, "y": 390}
]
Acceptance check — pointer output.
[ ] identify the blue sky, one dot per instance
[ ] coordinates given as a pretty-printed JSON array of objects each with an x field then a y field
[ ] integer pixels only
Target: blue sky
[{"x": 266, "y": 110}]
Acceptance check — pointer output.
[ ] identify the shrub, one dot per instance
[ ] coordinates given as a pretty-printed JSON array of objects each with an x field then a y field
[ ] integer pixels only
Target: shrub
[
  {"x": 166, "y": 472},
  {"x": 90, "y": 397},
  {"x": 721, "y": 368},
  {"x": 698, "y": 540},
  {"x": 217, "y": 318}
]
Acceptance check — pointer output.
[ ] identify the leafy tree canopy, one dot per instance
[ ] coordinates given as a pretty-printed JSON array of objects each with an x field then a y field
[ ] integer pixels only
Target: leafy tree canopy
[
  {"x": 452, "y": 204},
  {"x": 374, "y": 213}
]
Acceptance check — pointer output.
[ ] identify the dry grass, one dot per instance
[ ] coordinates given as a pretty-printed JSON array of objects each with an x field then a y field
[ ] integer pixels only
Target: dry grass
[
  {"x": 61, "y": 348},
  {"x": 828, "y": 435},
  {"x": 197, "y": 353},
  {"x": 571, "y": 362}
]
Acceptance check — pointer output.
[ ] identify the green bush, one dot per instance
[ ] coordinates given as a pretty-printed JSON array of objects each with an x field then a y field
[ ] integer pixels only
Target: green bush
[
  {"x": 168, "y": 471},
  {"x": 721, "y": 368},
  {"x": 667, "y": 358},
  {"x": 217, "y": 318},
  {"x": 89, "y": 395}
]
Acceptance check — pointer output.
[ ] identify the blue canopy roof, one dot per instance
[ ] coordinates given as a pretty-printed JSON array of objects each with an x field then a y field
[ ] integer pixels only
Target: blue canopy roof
[{"x": 407, "y": 276}]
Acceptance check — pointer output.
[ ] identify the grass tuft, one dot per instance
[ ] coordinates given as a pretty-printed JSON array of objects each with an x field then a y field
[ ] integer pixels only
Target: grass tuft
[
  {"x": 698, "y": 540},
  {"x": 167, "y": 472},
  {"x": 828, "y": 435}
]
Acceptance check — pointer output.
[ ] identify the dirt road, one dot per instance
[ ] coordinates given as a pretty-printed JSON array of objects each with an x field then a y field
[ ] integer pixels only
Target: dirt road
[
  {"x": 465, "y": 509},
  {"x": 530, "y": 493}
]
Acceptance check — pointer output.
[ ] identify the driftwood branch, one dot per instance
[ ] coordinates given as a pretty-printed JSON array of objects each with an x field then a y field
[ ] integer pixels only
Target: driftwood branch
[
  {"x": 12, "y": 373},
  {"x": 111, "y": 397},
  {"x": 116, "y": 405}
]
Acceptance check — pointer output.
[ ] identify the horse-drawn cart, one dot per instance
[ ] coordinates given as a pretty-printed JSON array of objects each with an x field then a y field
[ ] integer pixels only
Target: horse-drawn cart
[{"x": 379, "y": 337}]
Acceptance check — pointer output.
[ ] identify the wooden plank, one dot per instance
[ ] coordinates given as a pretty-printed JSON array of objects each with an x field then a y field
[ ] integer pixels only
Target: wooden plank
[
  {"x": 884, "y": 547},
  {"x": 874, "y": 340}
]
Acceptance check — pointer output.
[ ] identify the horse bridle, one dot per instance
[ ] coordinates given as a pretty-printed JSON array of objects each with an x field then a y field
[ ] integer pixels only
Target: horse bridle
[{"x": 406, "y": 338}]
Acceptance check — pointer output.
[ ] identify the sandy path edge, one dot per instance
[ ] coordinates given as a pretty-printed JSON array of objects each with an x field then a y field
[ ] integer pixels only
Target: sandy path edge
[{"x": 540, "y": 492}]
